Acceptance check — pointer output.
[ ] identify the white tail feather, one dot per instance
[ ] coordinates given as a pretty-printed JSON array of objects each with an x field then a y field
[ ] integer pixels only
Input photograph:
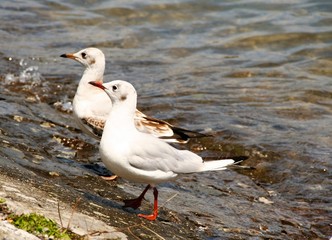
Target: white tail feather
[{"x": 217, "y": 165}]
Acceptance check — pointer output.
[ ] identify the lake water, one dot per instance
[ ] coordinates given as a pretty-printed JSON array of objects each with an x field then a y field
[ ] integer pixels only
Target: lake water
[{"x": 255, "y": 74}]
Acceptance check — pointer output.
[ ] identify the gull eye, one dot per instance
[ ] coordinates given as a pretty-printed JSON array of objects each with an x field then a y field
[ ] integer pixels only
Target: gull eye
[
  {"x": 83, "y": 54},
  {"x": 114, "y": 88}
]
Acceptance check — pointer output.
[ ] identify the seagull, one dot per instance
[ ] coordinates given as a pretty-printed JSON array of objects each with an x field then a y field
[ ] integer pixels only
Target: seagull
[
  {"x": 91, "y": 106},
  {"x": 141, "y": 157}
]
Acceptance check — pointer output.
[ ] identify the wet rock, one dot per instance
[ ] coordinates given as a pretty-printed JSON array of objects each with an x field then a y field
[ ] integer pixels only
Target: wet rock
[
  {"x": 264, "y": 200},
  {"x": 10, "y": 232},
  {"x": 23, "y": 200}
]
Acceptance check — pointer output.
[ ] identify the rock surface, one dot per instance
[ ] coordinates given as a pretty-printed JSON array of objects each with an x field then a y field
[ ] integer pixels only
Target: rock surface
[
  {"x": 24, "y": 198},
  {"x": 10, "y": 232}
]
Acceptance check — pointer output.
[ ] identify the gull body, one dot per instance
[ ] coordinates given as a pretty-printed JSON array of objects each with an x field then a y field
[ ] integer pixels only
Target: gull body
[
  {"x": 91, "y": 106},
  {"x": 141, "y": 157}
]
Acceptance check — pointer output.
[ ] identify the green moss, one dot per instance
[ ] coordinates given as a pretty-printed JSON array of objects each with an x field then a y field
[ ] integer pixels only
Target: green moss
[{"x": 39, "y": 226}]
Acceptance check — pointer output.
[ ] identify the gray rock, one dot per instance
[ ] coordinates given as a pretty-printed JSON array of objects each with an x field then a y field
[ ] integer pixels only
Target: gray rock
[{"x": 10, "y": 232}]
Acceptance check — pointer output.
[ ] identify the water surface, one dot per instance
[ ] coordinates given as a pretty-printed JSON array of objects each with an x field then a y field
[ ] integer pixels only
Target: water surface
[{"x": 255, "y": 74}]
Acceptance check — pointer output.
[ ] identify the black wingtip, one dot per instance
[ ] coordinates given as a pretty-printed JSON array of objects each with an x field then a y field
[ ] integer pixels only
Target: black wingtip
[
  {"x": 185, "y": 134},
  {"x": 239, "y": 159},
  {"x": 63, "y": 55}
]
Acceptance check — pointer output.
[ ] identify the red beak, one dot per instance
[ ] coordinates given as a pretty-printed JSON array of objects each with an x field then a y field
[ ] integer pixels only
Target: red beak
[{"x": 98, "y": 84}]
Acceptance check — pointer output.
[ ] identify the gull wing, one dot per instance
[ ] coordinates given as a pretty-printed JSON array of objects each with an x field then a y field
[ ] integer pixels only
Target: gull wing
[
  {"x": 158, "y": 128},
  {"x": 163, "y": 157},
  {"x": 163, "y": 129},
  {"x": 94, "y": 126}
]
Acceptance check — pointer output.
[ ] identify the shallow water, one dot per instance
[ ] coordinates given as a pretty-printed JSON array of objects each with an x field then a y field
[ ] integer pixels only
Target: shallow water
[{"x": 255, "y": 74}]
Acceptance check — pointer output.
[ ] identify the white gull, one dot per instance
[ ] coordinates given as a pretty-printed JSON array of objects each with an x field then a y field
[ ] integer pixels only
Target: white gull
[
  {"x": 141, "y": 157},
  {"x": 91, "y": 106}
]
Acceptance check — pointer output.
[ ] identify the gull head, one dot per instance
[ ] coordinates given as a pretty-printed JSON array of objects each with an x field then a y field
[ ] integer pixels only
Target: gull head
[
  {"x": 88, "y": 57},
  {"x": 119, "y": 91}
]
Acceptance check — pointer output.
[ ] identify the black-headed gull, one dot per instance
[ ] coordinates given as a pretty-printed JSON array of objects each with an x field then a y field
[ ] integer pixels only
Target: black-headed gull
[
  {"x": 142, "y": 157},
  {"x": 91, "y": 106}
]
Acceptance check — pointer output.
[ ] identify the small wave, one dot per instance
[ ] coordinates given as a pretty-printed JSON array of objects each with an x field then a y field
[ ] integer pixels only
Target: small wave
[{"x": 29, "y": 75}]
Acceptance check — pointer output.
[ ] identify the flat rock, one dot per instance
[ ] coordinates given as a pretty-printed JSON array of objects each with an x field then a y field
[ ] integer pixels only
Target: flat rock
[{"x": 22, "y": 200}]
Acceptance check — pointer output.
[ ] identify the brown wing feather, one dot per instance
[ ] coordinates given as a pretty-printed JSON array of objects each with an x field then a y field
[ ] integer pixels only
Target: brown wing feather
[
  {"x": 164, "y": 130},
  {"x": 157, "y": 127},
  {"x": 96, "y": 125}
]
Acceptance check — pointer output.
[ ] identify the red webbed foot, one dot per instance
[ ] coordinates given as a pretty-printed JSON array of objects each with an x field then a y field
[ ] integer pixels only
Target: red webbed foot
[
  {"x": 154, "y": 215},
  {"x": 151, "y": 217}
]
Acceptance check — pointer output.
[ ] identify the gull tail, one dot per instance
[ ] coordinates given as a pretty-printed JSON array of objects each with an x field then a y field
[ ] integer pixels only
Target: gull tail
[{"x": 222, "y": 164}]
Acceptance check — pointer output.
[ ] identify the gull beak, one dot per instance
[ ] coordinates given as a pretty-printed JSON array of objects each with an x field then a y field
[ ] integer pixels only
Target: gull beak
[
  {"x": 68, "y": 55},
  {"x": 98, "y": 84}
]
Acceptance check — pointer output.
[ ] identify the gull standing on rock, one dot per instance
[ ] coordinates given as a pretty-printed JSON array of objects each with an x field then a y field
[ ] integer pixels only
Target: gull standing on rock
[
  {"x": 141, "y": 157},
  {"x": 91, "y": 106}
]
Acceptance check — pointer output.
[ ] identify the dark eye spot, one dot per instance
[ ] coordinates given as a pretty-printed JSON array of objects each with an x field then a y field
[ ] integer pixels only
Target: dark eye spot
[
  {"x": 114, "y": 87},
  {"x": 83, "y": 54}
]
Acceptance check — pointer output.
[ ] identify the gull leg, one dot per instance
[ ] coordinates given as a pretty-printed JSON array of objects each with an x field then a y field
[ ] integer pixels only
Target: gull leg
[
  {"x": 136, "y": 203},
  {"x": 154, "y": 215}
]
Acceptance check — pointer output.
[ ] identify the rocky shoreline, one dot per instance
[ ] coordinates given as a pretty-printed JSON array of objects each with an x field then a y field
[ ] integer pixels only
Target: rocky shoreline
[{"x": 88, "y": 214}]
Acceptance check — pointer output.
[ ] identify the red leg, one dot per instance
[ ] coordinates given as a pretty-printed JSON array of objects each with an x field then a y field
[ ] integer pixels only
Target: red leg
[
  {"x": 136, "y": 203},
  {"x": 154, "y": 215}
]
